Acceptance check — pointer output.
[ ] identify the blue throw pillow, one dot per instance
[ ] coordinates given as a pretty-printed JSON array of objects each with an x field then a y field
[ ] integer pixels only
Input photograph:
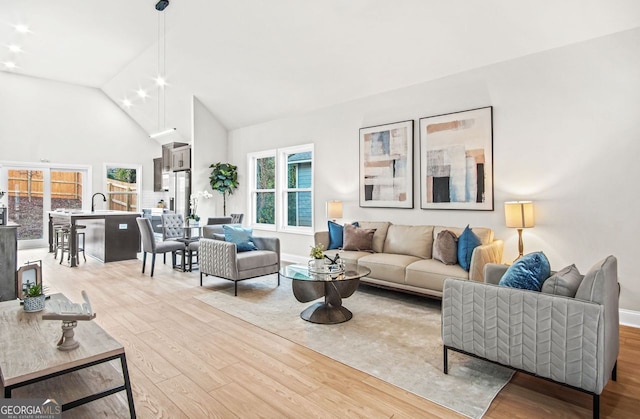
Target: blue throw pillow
[
  {"x": 527, "y": 273},
  {"x": 336, "y": 235},
  {"x": 466, "y": 243},
  {"x": 242, "y": 237}
]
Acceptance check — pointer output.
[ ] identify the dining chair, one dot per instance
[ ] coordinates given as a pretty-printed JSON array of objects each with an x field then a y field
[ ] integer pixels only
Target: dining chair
[{"x": 149, "y": 244}]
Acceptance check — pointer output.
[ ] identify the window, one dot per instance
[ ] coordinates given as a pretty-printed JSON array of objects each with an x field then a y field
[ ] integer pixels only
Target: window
[
  {"x": 122, "y": 183},
  {"x": 282, "y": 189}
]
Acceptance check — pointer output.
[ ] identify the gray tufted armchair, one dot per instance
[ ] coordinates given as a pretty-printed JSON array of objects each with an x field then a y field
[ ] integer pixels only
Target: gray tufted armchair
[{"x": 221, "y": 258}]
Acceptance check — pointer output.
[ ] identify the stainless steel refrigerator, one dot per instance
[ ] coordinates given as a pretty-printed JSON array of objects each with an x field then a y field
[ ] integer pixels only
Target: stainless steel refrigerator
[{"x": 180, "y": 193}]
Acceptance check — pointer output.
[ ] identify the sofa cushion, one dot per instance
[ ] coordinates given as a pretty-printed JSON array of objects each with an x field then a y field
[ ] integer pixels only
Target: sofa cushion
[
  {"x": 336, "y": 235},
  {"x": 387, "y": 266},
  {"x": 430, "y": 274},
  {"x": 381, "y": 228},
  {"x": 564, "y": 282},
  {"x": 358, "y": 238},
  {"x": 528, "y": 272},
  {"x": 445, "y": 248},
  {"x": 256, "y": 259},
  {"x": 241, "y": 237},
  {"x": 484, "y": 234},
  {"x": 409, "y": 240},
  {"x": 467, "y": 241}
]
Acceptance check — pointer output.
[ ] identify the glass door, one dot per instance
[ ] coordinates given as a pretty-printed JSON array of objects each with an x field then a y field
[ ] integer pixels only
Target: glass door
[{"x": 32, "y": 191}]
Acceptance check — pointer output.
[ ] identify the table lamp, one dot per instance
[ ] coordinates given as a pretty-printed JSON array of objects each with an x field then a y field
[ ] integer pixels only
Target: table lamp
[
  {"x": 519, "y": 214},
  {"x": 334, "y": 210}
]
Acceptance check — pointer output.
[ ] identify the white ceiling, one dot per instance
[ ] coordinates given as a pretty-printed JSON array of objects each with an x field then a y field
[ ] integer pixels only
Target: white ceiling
[{"x": 250, "y": 61}]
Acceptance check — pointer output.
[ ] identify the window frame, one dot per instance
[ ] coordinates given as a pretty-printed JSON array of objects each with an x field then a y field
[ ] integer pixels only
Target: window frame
[
  {"x": 252, "y": 159},
  {"x": 282, "y": 163},
  {"x": 281, "y": 188}
]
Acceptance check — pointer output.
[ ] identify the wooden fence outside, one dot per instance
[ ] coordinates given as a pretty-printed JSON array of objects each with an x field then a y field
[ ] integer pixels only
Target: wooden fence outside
[
  {"x": 30, "y": 183},
  {"x": 122, "y": 196}
]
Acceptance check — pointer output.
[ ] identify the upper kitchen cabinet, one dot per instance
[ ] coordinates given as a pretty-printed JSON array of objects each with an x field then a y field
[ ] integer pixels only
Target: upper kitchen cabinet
[
  {"x": 181, "y": 158},
  {"x": 167, "y": 155}
]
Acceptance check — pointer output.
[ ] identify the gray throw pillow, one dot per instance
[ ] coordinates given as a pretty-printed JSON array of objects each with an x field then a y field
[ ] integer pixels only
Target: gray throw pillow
[
  {"x": 564, "y": 282},
  {"x": 358, "y": 238},
  {"x": 446, "y": 248}
]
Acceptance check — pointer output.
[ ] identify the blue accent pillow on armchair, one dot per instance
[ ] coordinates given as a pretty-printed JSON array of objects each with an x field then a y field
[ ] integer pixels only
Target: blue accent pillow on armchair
[
  {"x": 336, "y": 235},
  {"x": 466, "y": 243},
  {"x": 527, "y": 273},
  {"x": 241, "y": 237}
]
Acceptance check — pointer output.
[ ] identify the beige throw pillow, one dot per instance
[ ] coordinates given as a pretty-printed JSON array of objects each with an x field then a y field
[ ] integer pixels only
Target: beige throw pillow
[
  {"x": 358, "y": 238},
  {"x": 445, "y": 249}
]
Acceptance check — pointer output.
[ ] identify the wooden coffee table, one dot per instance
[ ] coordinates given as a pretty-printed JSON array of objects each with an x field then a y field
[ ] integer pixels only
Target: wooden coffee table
[
  {"x": 309, "y": 286},
  {"x": 28, "y": 352}
]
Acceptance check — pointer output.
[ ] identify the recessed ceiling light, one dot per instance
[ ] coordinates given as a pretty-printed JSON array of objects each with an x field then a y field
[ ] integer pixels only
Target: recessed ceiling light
[
  {"x": 160, "y": 81},
  {"x": 127, "y": 103},
  {"x": 10, "y": 64},
  {"x": 14, "y": 48},
  {"x": 21, "y": 28},
  {"x": 142, "y": 93}
]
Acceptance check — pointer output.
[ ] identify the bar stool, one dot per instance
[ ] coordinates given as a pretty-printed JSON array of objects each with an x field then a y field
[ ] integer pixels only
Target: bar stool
[{"x": 63, "y": 243}]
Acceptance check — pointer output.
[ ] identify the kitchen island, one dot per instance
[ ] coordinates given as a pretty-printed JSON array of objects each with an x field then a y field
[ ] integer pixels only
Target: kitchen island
[{"x": 109, "y": 235}]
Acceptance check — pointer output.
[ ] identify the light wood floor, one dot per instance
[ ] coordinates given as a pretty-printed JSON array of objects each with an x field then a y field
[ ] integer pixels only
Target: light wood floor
[{"x": 187, "y": 359}]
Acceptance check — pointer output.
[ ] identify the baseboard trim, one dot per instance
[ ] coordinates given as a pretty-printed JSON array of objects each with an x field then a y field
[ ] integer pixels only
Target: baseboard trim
[{"x": 630, "y": 318}]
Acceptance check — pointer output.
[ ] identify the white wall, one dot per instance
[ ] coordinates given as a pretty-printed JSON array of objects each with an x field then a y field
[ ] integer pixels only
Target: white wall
[
  {"x": 566, "y": 135},
  {"x": 70, "y": 124},
  {"x": 209, "y": 146}
]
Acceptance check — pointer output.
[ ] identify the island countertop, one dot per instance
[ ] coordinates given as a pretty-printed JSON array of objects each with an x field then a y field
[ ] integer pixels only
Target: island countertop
[{"x": 110, "y": 235}]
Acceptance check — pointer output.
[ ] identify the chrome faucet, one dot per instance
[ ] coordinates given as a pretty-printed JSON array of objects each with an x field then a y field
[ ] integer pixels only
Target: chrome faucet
[{"x": 93, "y": 205}]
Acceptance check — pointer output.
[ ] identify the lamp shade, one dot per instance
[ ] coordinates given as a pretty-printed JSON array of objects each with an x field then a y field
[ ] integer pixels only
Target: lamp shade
[
  {"x": 519, "y": 214},
  {"x": 334, "y": 209}
]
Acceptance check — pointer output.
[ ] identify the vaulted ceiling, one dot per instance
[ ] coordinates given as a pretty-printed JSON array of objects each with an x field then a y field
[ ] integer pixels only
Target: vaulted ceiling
[{"x": 250, "y": 61}]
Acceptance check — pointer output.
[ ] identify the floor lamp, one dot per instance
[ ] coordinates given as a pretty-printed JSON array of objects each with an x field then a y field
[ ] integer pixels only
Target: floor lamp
[{"x": 519, "y": 214}]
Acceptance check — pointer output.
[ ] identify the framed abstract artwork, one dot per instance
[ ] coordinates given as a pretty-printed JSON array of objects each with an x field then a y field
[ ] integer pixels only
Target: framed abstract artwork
[
  {"x": 456, "y": 160},
  {"x": 386, "y": 165}
]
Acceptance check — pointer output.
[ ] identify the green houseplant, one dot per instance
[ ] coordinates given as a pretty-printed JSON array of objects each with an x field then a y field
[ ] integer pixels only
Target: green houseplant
[
  {"x": 34, "y": 298},
  {"x": 224, "y": 179}
]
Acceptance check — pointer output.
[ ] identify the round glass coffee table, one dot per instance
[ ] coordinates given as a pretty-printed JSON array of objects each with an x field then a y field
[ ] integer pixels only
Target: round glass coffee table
[{"x": 309, "y": 286}]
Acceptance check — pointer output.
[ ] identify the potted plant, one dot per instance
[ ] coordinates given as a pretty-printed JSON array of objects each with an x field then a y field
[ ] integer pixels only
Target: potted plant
[
  {"x": 224, "y": 179},
  {"x": 34, "y": 298},
  {"x": 317, "y": 263}
]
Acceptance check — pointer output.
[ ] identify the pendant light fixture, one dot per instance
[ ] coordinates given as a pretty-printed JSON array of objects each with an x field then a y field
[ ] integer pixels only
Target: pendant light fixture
[{"x": 161, "y": 80}]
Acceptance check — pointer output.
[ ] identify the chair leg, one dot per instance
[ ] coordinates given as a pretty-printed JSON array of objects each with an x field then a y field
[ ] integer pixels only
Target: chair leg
[
  {"x": 614, "y": 373},
  {"x": 164, "y": 258},
  {"x": 235, "y": 288},
  {"x": 144, "y": 260},
  {"x": 200, "y": 278},
  {"x": 446, "y": 361},
  {"x": 278, "y": 278},
  {"x": 596, "y": 406},
  {"x": 153, "y": 262}
]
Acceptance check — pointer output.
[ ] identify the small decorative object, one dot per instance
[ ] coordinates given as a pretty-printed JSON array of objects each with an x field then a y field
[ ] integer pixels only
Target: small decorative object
[
  {"x": 28, "y": 275},
  {"x": 34, "y": 298},
  {"x": 193, "y": 202},
  {"x": 224, "y": 179},
  {"x": 70, "y": 313},
  {"x": 317, "y": 263},
  {"x": 386, "y": 165},
  {"x": 456, "y": 160}
]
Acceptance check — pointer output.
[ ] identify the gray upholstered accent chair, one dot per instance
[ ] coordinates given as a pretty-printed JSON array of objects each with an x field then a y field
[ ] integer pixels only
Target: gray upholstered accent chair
[
  {"x": 572, "y": 341},
  {"x": 220, "y": 258},
  {"x": 149, "y": 244}
]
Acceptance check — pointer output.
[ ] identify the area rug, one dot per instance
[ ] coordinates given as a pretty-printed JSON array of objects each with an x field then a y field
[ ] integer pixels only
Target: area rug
[{"x": 392, "y": 336}]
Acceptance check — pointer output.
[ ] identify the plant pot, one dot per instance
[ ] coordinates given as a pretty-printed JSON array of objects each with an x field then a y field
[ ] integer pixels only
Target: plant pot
[{"x": 33, "y": 304}]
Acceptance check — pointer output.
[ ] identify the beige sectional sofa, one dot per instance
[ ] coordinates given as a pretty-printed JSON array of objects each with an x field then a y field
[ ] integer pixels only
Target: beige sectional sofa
[{"x": 402, "y": 256}]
